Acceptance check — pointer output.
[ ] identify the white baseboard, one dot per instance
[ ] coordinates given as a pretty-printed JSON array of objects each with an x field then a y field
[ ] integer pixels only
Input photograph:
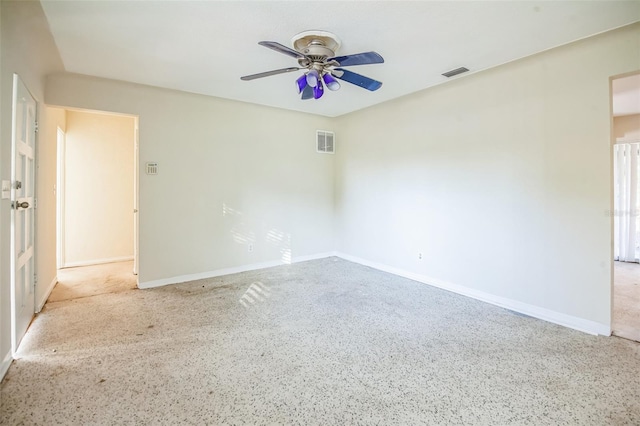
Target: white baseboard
[
  {"x": 97, "y": 261},
  {"x": 228, "y": 271},
  {"x": 555, "y": 317},
  {"x": 559, "y": 318},
  {"x": 6, "y": 363},
  {"x": 46, "y": 295}
]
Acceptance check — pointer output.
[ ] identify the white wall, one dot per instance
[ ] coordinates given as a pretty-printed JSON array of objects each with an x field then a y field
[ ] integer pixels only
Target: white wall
[
  {"x": 98, "y": 188},
  {"x": 28, "y": 49},
  {"x": 230, "y": 174},
  {"x": 501, "y": 179}
]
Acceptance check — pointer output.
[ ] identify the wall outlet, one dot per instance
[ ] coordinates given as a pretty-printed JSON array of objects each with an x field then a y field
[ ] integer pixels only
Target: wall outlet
[
  {"x": 419, "y": 256},
  {"x": 250, "y": 248}
]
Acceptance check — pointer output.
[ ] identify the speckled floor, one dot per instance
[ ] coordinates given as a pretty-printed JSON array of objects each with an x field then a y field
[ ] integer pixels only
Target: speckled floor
[
  {"x": 323, "y": 342},
  {"x": 626, "y": 300},
  {"x": 86, "y": 281}
]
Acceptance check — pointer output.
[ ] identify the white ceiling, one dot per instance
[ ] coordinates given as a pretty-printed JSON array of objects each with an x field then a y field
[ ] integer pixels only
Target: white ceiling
[
  {"x": 626, "y": 95},
  {"x": 205, "y": 46}
]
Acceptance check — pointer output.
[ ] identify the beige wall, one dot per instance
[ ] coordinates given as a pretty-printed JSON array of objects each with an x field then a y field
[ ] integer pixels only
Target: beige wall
[
  {"x": 627, "y": 127},
  {"x": 230, "y": 174},
  {"x": 29, "y": 50},
  {"x": 501, "y": 179},
  {"x": 98, "y": 190},
  {"x": 46, "y": 194}
]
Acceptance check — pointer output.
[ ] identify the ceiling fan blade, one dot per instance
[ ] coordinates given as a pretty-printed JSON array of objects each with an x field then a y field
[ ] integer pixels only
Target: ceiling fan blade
[
  {"x": 269, "y": 73},
  {"x": 358, "y": 59},
  {"x": 357, "y": 79},
  {"x": 282, "y": 49}
]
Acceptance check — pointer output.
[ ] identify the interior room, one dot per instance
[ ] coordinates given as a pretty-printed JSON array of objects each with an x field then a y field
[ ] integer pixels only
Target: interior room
[
  {"x": 626, "y": 237},
  {"x": 378, "y": 213}
]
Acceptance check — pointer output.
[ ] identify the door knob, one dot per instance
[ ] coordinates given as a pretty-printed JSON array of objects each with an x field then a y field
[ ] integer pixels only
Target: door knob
[{"x": 19, "y": 204}]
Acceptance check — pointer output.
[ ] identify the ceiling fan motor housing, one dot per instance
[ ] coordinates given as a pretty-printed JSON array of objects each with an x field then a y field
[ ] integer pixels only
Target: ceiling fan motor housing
[
  {"x": 317, "y": 50},
  {"x": 316, "y": 45}
]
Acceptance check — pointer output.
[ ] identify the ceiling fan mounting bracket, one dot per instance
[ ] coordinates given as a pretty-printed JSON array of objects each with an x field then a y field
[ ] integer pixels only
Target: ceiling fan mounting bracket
[{"x": 316, "y": 44}]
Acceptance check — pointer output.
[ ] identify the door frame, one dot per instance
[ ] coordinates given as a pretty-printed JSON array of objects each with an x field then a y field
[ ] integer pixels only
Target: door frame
[
  {"x": 60, "y": 164},
  {"x": 136, "y": 195}
]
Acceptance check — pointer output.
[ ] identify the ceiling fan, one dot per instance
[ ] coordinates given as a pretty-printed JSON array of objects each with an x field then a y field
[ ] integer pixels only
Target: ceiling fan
[{"x": 316, "y": 53}]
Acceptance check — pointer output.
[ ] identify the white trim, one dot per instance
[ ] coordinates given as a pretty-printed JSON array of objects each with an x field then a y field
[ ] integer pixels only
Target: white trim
[
  {"x": 12, "y": 251},
  {"x": 136, "y": 196},
  {"x": 61, "y": 138},
  {"x": 229, "y": 271},
  {"x": 6, "y": 363},
  {"x": 46, "y": 295},
  {"x": 97, "y": 261},
  {"x": 559, "y": 318}
]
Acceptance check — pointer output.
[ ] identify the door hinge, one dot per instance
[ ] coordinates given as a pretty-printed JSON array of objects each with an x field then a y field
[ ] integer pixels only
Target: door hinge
[
  {"x": 35, "y": 203},
  {"x": 35, "y": 279},
  {"x": 35, "y": 126}
]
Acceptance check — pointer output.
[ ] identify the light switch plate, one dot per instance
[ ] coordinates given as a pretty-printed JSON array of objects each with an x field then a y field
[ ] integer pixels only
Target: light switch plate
[{"x": 6, "y": 189}]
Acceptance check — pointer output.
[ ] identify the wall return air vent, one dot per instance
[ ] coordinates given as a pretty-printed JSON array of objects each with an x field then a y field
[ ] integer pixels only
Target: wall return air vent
[{"x": 325, "y": 142}]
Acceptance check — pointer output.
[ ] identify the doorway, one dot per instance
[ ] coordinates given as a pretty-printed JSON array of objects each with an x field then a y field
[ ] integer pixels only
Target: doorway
[
  {"x": 626, "y": 206},
  {"x": 96, "y": 204}
]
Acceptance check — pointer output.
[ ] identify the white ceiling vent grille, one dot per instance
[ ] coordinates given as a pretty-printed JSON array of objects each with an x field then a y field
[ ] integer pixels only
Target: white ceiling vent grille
[{"x": 325, "y": 142}]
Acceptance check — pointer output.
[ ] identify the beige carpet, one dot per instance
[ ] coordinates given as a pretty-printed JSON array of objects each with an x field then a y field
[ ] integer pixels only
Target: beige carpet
[
  {"x": 86, "y": 281},
  {"x": 626, "y": 300},
  {"x": 325, "y": 342}
]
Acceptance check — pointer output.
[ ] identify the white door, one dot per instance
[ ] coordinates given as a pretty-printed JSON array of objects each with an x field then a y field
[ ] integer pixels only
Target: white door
[{"x": 23, "y": 148}]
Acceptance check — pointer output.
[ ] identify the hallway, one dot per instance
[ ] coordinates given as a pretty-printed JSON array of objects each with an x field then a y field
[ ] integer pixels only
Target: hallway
[{"x": 86, "y": 281}]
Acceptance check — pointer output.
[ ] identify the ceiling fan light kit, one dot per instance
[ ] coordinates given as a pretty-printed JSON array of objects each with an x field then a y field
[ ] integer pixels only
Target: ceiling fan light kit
[
  {"x": 312, "y": 78},
  {"x": 315, "y": 52},
  {"x": 330, "y": 82}
]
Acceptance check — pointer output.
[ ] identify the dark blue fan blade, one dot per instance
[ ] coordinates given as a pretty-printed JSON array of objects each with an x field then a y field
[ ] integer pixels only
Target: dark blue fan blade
[
  {"x": 307, "y": 93},
  {"x": 358, "y": 59},
  {"x": 357, "y": 79}
]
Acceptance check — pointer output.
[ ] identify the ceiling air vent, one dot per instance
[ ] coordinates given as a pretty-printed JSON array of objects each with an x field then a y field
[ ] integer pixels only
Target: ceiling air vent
[
  {"x": 325, "y": 142},
  {"x": 457, "y": 71}
]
